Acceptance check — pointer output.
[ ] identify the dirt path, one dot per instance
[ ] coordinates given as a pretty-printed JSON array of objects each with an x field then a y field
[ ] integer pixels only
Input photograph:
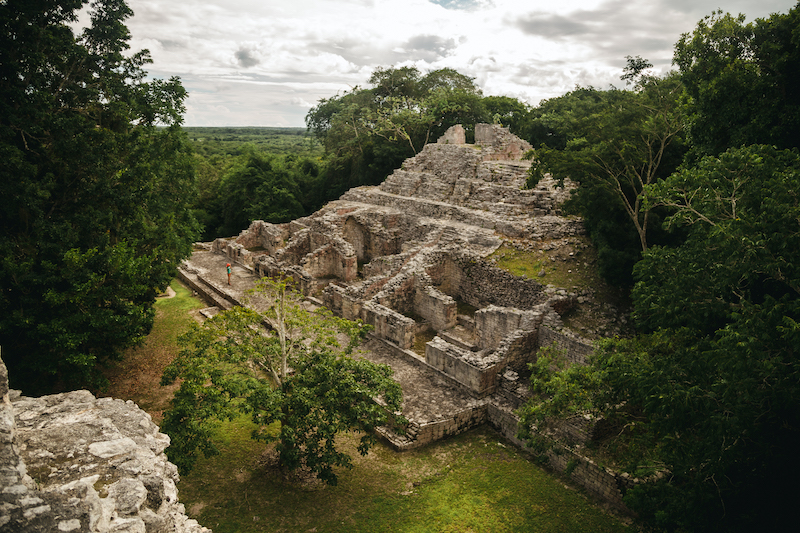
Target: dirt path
[{"x": 137, "y": 375}]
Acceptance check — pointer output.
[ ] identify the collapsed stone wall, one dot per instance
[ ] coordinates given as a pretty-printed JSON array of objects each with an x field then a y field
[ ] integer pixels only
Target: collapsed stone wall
[
  {"x": 389, "y": 324},
  {"x": 75, "y": 463},
  {"x": 480, "y": 283},
  {"x": 607, "y": 484},
  {"x": 459, "y": 422},
  {"x": 500, "y": 143},
  {"x": 493, "y": 324},
  {"x": 476, "y": 371}
]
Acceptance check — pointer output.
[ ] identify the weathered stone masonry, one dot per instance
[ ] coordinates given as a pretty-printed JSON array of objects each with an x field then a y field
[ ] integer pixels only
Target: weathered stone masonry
[
  {"x": 404, "y": 255},
  {"x": 75, "y": 463}
]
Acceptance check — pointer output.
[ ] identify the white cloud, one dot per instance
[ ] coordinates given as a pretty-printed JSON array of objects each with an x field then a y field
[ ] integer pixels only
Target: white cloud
[{"x": 249, "y": 62}]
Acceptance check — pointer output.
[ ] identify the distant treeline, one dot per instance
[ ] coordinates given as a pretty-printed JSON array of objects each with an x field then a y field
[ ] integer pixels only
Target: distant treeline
[
  {"x": 227, "y": 141},
  {"x": 246, "y": 174}
]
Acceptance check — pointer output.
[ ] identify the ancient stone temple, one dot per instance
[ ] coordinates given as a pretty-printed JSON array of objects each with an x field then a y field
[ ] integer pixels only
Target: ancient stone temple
[
  {"x": 411, "y": 257},
  {"x": 403, "y": 256}
]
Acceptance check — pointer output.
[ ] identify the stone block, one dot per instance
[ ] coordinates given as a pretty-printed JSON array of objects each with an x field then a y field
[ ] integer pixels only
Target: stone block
[
  {"x": 468, "y": 368},
  {"x": 73, "y": 467},
  {"x": 389, "y": 324}
]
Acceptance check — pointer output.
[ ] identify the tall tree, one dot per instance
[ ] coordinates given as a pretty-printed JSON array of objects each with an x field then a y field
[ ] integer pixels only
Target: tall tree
[
  {"x": 261, "y": 187},
  {"x": 622, "y": 146},
  {"x": 613, "y": 143},
  {"x": 92, "y": 193},
  {"x": 742, "y": 81},
  {"x": 367, "y": 133},
  {"x": 297, "y": 375},
  {"x": 724, "y": 396},
  {"x": 710, "y": 389}
]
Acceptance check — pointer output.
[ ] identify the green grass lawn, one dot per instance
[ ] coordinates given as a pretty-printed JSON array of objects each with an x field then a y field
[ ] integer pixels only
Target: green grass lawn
[{"x": 472, "y": 482}]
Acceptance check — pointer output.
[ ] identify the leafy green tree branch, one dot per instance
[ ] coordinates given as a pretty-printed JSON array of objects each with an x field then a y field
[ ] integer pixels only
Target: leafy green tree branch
[{"x": 301, "y": 373}]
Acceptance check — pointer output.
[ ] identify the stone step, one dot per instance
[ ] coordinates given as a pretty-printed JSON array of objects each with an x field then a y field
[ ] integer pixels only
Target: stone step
[{"x": 199, "y": 286}]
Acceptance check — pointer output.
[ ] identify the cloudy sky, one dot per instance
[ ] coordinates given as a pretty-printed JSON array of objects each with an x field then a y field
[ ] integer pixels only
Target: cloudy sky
[{"x": 266, "y": 62}]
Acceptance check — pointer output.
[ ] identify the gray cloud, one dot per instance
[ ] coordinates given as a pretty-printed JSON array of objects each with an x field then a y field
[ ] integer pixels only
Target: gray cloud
[
  {"x": 551, "y": 26},
  {"x": 170, "y": 44},
  {"x": 364, "y": 52},
  {"x": 246, "y": 58},
  {"x": 356, "y": 51},
  {"x": 428, "y": 47},
  {"x": 612, "y": 30},
  {"x": 253, "y": 62}
]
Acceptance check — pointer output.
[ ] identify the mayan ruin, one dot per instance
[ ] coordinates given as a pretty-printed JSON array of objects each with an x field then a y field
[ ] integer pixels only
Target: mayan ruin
[{"x": 405, "y": 256}]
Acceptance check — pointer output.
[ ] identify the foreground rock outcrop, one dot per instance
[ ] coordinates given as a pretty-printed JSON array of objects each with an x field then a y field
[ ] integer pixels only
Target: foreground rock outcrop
[{"x": 75, "y": 463}]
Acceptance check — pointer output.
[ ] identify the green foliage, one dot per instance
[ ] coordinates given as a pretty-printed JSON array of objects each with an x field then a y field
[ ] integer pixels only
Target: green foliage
[
  {"x": 367, "y": 133},
  {"x": 508, "y": 112},
  {"x": 613, "y": 143},
  {"x": 710, "y": 390},
  {"x": 261, "y": 187},
  {"x": 470, "y": 482},
  {"x": 741, "y": 210},
  {"x": 560, "y": 390},
  {"x": 92, "y": 216},
  {"x": 742, "y": 81},
  {"x": 255, "y": 185},
  {"x": 715, "y": 381},
  {"x": 298, "y": 376},
  {"x": 210, "y": 142}
]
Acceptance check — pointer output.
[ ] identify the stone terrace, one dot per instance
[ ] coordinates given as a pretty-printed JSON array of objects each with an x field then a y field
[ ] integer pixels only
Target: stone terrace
[
  {"x": 409, "y": 257},
  {"x": 406, "y": 255}
]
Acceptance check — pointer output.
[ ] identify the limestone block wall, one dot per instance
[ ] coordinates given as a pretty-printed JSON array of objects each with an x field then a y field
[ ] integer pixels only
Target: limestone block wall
[
  {"x": 479, "y": 283},
  {"x": 494, "y": 323},
  {"x": 398, "y": 293},
  {"x": 369, "y": 242},
  {"x": 267, "y": 266},
  {"x": 499, "y": 143},
  {"x": 448, "y": 162},
  {"x": 458, "y": 423},
  {"x": 389, "y": 324},
  {"x": 454, "y": 135},
  {"x": 437, "y": 308},
  {"x": 331, "y": 261},
  {"x": 296, "y": 249},
  {"x": 75, "y": 463},
  {"x": 260, "y": 234},
  {"x": 476, "y": 373},
  {"x": 518, "y": 349},
  {"x": 231, "y": 249},
  {"x": 576, "y": 350},
  {"x": 342, "y": 304},
  {"x": 604, "y": 483}
]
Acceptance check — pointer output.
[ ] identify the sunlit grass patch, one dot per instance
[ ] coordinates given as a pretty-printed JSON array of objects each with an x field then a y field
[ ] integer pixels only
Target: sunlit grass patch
[
  {"x": 421, "y": 339},
  {"x": 473, "y": 482}
]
